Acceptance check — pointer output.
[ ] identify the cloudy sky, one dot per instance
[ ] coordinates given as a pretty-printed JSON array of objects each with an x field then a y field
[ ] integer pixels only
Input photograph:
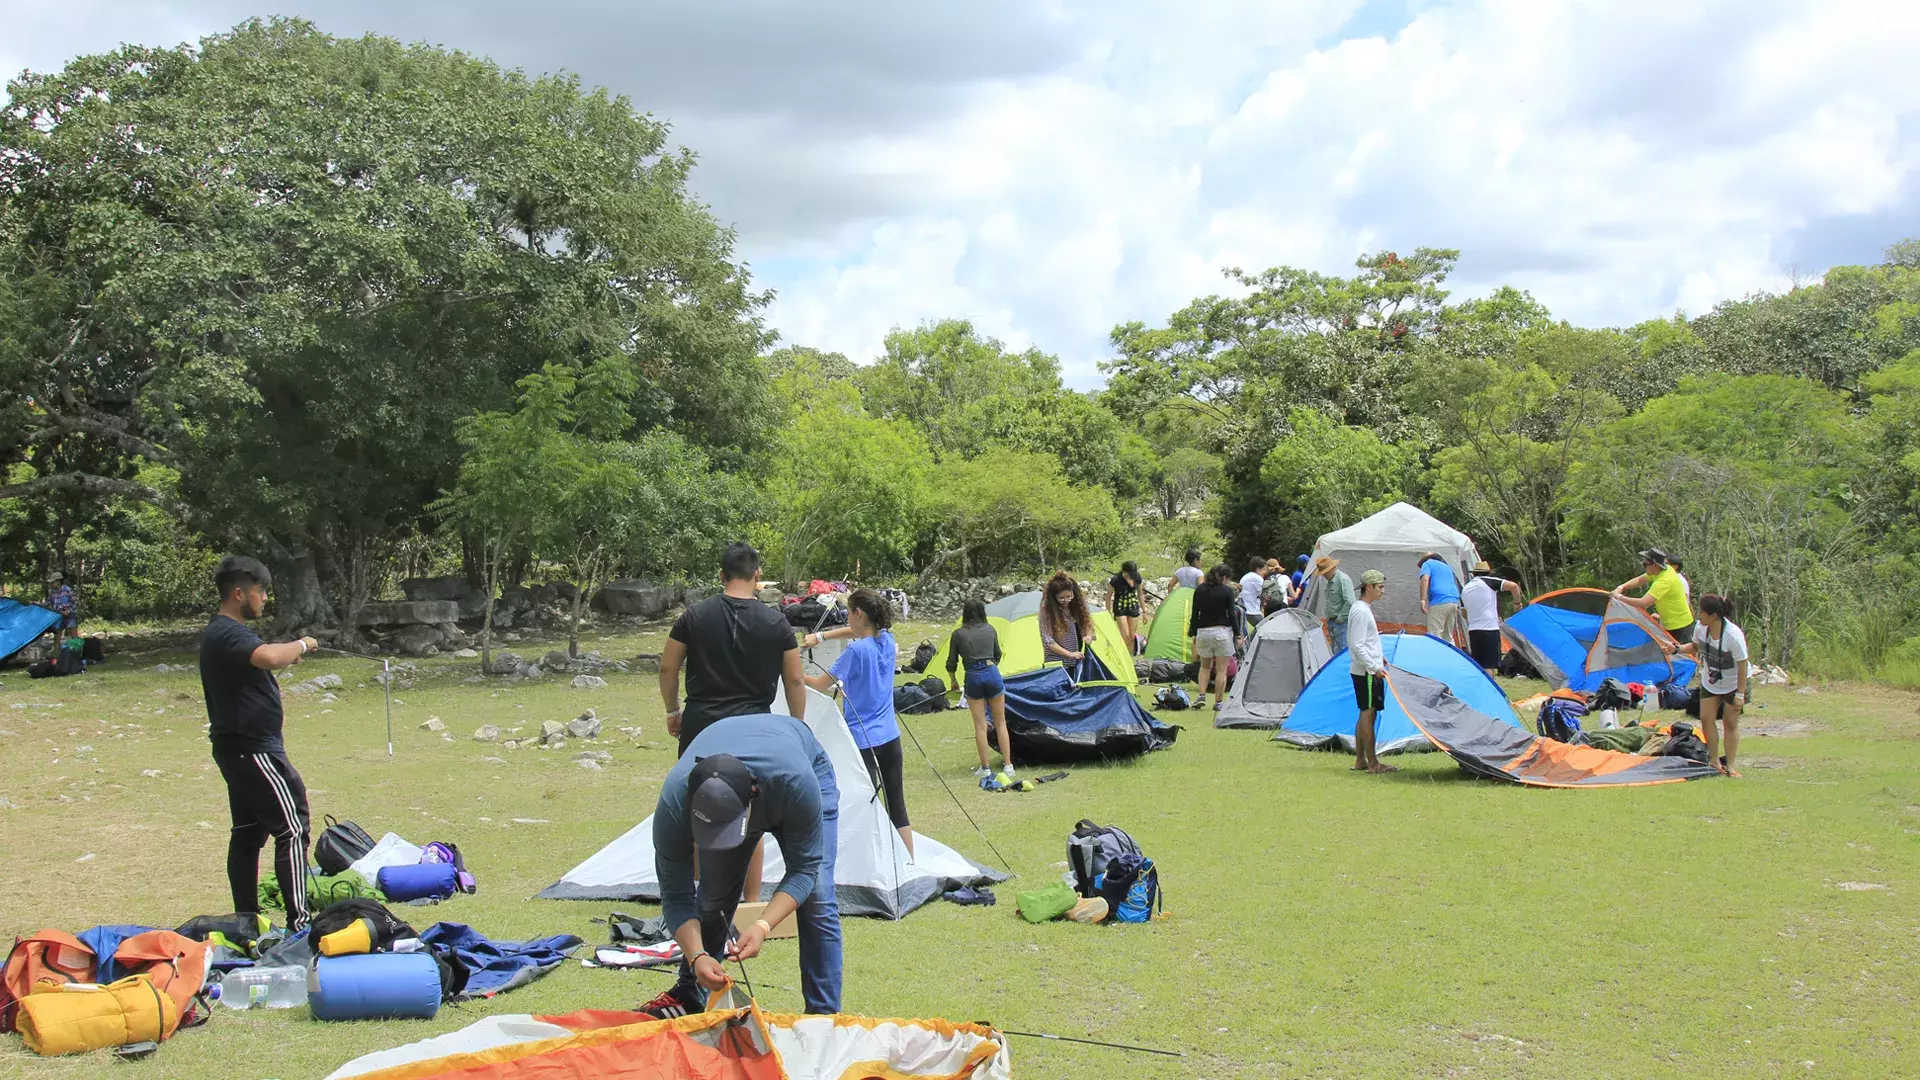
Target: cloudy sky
[{"x": 1048, "y": 168}]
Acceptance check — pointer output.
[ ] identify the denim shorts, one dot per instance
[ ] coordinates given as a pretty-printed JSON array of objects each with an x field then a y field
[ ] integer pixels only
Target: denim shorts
[{"x": 984, "y": 681}]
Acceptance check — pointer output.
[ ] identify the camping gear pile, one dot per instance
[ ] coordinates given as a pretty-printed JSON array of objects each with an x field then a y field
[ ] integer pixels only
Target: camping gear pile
[
  {"x": 1109, "y": 880},
  {"x": 873, "y": 875},
  {"x": 111, "y": 986},
  {"x": 22, "y": 624}
]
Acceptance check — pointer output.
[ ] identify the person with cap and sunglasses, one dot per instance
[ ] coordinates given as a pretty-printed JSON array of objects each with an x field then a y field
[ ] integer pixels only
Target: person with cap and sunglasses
[
  {"x": 1481, "y": 597},
  {"x": 1368, "y": 664},
  {"x": 744, "y": 777},
  {"x": 1666, "y": 594}
]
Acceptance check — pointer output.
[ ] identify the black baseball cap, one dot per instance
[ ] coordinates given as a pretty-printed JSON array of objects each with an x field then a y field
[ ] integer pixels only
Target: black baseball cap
[{"x": 719, "y": 795}]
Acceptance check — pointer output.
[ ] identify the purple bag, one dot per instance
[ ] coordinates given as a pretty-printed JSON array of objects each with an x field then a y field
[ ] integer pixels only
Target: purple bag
[
  {"x": 439, "y": 852},
  {"x": 421, "y": 881}
]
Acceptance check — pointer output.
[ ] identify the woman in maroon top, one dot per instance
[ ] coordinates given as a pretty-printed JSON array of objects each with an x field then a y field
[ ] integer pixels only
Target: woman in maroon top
[{"x": 1066, "y": 627}]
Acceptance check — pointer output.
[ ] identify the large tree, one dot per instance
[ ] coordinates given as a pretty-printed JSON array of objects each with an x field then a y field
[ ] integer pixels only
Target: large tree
[{"x": 286, "y": 264}]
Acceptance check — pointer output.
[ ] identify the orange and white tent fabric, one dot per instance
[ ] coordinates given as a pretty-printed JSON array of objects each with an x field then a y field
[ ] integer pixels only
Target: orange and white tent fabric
[{"x": 724, "y": 1044}]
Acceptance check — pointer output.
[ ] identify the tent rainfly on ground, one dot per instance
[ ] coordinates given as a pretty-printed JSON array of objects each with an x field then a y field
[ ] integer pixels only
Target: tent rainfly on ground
[
  {"x": 725, "y": 1043},
  {"x": 1578, "y": 638},
  {"x": 1392, "y": 542},
  {"x": 21, "y": 623},
  {"x": 1284, "y": 654},
  {"x": 1016, "y": 619},
  {"x": 1055, "y": 716},
  {"x": 1496, "y": 749},
  {"x": 1167, "y": 632},
  {"x": 873, "y": 875},
  {"x": 1327, "y": 711}
]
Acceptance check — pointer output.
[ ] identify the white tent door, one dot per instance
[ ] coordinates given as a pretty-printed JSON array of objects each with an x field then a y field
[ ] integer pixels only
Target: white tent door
[{"x": 1274, "y": 673}]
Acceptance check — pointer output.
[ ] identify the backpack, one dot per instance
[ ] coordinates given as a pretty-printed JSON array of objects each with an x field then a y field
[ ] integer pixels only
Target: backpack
[
  {"x": 341, "y": 844},
  {"x": 1560, "y": 719},
  {"x": 1170, "y": 671},
  {"x": 65, "y": 661},
  {"x": 1172, "y": 699},
  {"x": 386, "y": 928},
  {"x": 440, "y": 852},
  {"x": 929, "y": 695},
  {"x": 176, "y": 966},
  {"x": 1683, "y": 743},
  {"x": 923, "y": 655},
  {"x": 1132, "y": 889},
  {"x": 1091, "y": 848},
  {"x": 45, "y": 960}
]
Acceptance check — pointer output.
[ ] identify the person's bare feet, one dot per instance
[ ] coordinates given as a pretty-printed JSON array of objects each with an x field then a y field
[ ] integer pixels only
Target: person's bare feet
[
  {"x": 1356, "y": 767},
  {"x": 1378, "y": 768}
]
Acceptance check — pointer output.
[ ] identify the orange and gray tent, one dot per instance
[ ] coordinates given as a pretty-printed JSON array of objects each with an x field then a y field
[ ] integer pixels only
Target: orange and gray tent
[
  {"x": 1497, "y": 750},
  {"x": 740, "y": 1043},
  {"x": 1578, "y": 638}
]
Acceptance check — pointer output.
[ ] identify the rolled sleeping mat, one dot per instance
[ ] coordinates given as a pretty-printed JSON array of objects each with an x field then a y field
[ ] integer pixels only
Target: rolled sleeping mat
[
  {"x": 374, "y": 986},
  {"x": 421, "y": 881}
]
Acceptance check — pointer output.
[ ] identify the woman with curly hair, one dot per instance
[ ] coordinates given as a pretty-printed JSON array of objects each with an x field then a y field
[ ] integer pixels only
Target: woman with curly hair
[{"x": 1066, "y": 627}]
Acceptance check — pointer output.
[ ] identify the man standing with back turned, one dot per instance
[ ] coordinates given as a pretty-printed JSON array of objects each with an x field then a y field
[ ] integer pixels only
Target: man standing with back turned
[
  {"x": 264, "y": 794},
  {"x": 736, "y": 650}
]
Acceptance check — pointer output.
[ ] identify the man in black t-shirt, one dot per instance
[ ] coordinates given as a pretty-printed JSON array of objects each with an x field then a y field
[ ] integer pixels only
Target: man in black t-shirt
[
  {"x": 265, "y": 796},
  {"x": 737, "y": 651}
]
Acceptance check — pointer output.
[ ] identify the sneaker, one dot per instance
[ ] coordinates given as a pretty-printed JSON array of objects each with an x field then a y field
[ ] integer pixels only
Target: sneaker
[
  {"x": 1007, "y": 771},
  {"x": 981, "y": 772},
  {"x": 665, "y": 1007},
  {"x": 1091, "y": 910}
]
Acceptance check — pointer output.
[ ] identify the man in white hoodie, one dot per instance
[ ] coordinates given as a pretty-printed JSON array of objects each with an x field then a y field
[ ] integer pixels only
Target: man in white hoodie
[{"x": 1368, "y": 664}]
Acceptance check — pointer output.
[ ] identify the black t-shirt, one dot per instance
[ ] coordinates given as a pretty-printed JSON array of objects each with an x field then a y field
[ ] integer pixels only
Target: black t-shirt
[
  {"x": 1123, "y": 587},
  {"x": 243, "y": 701},
  {"x": 735, "y": 649},
  {"x": 1213, "y": 605}
]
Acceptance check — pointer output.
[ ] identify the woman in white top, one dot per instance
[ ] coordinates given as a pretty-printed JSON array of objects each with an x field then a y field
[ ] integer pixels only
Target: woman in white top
[
  {"x": 1481, "y": 597},
  {"x": 1188, "y": 576},
  {"x": 1721, "y": 648}
]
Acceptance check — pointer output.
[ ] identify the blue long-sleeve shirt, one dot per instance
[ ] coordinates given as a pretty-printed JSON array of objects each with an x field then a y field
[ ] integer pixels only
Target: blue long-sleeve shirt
[{"x": 796, "y": 781}]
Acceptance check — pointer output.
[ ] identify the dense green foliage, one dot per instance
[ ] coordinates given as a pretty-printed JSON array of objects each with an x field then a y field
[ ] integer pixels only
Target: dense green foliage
[{"x": 364, "y": 308}]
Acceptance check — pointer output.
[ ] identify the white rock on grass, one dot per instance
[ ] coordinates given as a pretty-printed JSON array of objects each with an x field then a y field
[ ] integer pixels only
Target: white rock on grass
[
  {"x": 588, "y": 764},
  {"x": 486, "y": 733},
  {"x": 584, "y": 726},
  {"x": 433, "y": 723},
  {"x": 466, "y": 654},
  {"x": 588, "y": 682}
]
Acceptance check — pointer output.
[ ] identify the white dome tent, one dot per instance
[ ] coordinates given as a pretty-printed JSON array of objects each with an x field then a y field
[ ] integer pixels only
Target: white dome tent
[
  {"x": 873, "y": 875},
  {"x": 1282, "y": 657},
  {"x": 1392, "y": 542}
]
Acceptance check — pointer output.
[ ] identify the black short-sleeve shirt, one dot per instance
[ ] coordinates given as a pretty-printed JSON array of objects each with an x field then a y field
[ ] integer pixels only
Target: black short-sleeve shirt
[
  {"x": 735, "y": 650},
  {"x": 243, "y": 701}
]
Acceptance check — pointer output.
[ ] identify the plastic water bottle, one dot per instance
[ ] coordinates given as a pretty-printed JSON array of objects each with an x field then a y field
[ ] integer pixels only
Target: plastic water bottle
[{"x": 265, "y": 988}]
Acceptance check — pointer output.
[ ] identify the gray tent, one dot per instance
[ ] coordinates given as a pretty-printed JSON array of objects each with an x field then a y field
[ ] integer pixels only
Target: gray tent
[
  {"x": 1392, "y": 542},
  {"x": 1290, "y": 646}
]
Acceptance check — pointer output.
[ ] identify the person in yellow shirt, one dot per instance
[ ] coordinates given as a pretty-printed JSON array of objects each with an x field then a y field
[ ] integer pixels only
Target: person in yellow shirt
[{"x": 1666, "y": 594}]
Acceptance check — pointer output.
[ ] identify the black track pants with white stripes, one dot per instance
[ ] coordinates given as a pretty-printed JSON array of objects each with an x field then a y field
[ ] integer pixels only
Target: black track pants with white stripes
[{"x": 267, "y": 798}]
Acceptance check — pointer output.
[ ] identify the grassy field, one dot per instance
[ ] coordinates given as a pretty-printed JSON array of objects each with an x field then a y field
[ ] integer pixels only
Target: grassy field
[{"x": 1319, "y": 923}]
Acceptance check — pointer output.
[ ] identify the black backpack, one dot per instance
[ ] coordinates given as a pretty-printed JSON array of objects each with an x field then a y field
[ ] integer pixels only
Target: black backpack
[
  {"x": 387, "y": 929},
  {"x": 1683, "y": 743},
  {"x": 929, "y": 695},
  {"x": 1091, "y": 848},
  {"x": 1172, "y": 699},
  {"x": 923, "y": 655},
  {"x": 341, "y": 844}
]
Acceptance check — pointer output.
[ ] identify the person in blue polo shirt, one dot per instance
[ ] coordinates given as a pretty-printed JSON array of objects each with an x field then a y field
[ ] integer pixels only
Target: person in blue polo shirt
[
  {"x": 741, "y": 778},
  {"x": 1440, "y": 599},
  {"x": 864, "y": 674}
]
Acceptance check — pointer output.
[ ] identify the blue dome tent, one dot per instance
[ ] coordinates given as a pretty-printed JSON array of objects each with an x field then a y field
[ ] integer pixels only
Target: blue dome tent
[
  {"x": 1578, "y": 638},
  {"x": 1325, "y": 714}
]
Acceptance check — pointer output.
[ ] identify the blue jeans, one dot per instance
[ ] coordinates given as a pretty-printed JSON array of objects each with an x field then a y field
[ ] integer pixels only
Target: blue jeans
[
  {"x": 717, "y": 897},
  {"x": 983, "y": 682},
  {"x": 1337, "y": 629}
]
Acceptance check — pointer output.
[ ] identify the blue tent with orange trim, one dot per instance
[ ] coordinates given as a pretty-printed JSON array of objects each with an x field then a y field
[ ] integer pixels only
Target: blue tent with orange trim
[
  {"x": 1324, "y": 716},
  {"x": 1578, "y": 638}
]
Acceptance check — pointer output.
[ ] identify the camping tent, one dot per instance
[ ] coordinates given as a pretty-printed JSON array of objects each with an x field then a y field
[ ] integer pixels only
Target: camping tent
[
  {"x": 1578, "y": 638},
  {"x": 1493, "y": 748},
  {"x": 1392, "y": 541},
  {"x": 1057, "y": 716},
  {"x": 723, "y": 1043},
  {"x": 1167, "y": 633},
  {"x": 1283, "y": 654},
  {"x": 1016, "y": 619},
  {"x": 21, "y": 623},
  {"x": 873, "y": 875},
  {"x": 1324, "y": 716}
]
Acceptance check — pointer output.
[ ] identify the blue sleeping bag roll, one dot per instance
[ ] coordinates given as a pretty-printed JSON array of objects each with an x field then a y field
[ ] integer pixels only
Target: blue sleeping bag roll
[
  {"x": 421, "y": 881},
  {"x": 374, "y": 986}
]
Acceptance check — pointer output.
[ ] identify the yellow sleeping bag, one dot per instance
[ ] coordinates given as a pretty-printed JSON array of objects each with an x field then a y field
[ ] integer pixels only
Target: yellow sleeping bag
[{"x": 79, "y": 1017}]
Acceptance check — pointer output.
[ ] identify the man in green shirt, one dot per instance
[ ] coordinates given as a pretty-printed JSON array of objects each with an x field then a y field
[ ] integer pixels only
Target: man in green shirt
[
  {"x": 1339, "y": 599},
  {"x": 1666, "y": 594}
]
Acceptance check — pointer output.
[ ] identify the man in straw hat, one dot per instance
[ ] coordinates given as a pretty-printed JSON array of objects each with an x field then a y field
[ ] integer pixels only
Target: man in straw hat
[
  {"x": 60, "y": 599},
  {"x": 1481, "y": 597},
  {"x": 1339, "y": 598}
]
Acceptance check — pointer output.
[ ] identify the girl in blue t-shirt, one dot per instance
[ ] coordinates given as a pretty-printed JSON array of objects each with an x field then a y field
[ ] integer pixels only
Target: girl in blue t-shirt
[{"x": 864, "y": 676}]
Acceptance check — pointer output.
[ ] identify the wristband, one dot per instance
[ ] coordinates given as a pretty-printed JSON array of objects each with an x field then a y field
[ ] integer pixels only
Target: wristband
[
  {"x": 691, "y": 960},
  {"x": 764, "y": 925},
  {"x": 303, "y": 647}
]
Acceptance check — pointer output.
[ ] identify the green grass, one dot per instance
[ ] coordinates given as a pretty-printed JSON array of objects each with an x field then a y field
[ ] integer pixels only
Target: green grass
[{"x": 1319, "y": 923}]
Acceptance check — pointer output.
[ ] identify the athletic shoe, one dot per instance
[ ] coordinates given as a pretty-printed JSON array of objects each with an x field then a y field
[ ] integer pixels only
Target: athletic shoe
[
  {"x": 665, "y": 1007},
  {"x": 982, "y": 772},
  {"x": 1091, "y": 910},
  {"x": 1007, "y": 771}
]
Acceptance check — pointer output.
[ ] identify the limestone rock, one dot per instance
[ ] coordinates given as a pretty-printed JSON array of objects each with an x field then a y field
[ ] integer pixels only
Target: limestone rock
[
  {"x": 769, "y": 595},
  {"x": 419, "y": 640},
  {"x": 505, "y": 663},
  {"x": 327, "y": 682},
  {"x": 588, "y": 682},
  {"x": 634, "y": 596},
  {"x": 466, "y": 654},
  {"x": 593, "y": 755},
  {"x": 584, "y": 726},
  {"x": 556, "y": 660},
  {"x": 409, "y": 613},
  {"x": 433, "y": 723},
  {"x": 588, "y": 764},
  {"x": 486, "y": 733},
  {"x": 551, "y": 730}
]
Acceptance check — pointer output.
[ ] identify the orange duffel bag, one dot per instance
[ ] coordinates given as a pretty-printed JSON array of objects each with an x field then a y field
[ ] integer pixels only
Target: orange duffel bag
[{"x": 79, "y": 1017}]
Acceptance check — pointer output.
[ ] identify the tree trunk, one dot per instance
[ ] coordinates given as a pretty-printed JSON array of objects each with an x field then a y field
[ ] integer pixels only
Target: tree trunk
[
  {"x": 491, "y": 557},
  {"x": 299, "y": 599}
]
